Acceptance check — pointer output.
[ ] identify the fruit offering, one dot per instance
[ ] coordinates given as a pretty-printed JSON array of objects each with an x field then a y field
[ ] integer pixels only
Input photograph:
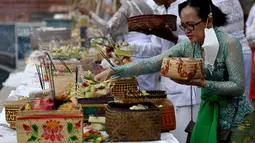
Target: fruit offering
[
  {"x": 46, "y": 103},
  {"x": 93, "y": 136},
  {"x": 43, "y": 104}
]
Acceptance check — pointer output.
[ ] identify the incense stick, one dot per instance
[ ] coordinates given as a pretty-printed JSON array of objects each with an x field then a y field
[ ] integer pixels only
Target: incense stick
[
  {"x": 76, "y": 77},
  {"x": 62, "y": 61},
  {"x": 45, "y": 67},
  {"x": 42, "y": 75},
  {"x": 39, "y": 76},
  {"x": 48, "y": 55},
  {"x": 52, "y": 85}
]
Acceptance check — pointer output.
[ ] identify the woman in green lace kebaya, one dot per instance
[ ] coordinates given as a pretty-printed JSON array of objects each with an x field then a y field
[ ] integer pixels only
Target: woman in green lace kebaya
[{"x": 224, "y": 106}]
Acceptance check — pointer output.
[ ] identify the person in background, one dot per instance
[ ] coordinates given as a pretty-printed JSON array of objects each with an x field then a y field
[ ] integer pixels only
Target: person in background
[
  {"x": 225, "y": 107},
  {"x": 251, "y": 18},
  {"x": 179, "y": 94},
  {"x": 235, "y": 27},
  {"x": 117, "y": 26},
  {"x": 250, "y": 34}
]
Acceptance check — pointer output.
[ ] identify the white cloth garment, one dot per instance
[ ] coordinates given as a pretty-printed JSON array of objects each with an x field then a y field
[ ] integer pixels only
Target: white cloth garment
[
  {"x": 251, "y": 17},
  {"x": 250, "y": 32},
  {"x": 250, "y": 24},
  {"x": 144, "y": 49},
  {"x": 182, "y": 114},
  {"x": 235, "y": 27},
  {"x": 117, "y": 25},
  {"x": 211, "y": 48}
]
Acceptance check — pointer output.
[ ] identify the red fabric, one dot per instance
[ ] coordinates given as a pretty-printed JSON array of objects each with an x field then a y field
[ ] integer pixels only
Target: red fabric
[{"x": 252, "y": 89}]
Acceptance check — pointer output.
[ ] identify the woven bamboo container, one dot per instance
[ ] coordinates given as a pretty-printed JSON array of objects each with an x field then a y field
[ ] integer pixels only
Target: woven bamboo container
[
  {"x": 167, "y": 112},
  {"x": 122, "y": 85},
  {"x": 182, "y": 68},
  {"x": 123, "y": 124},
  {"x": 11, "y": 110},
  {"x": 12, "y": 107},
  {"x": 52, "y": 126},
  {"x": 143, "y": 23}
]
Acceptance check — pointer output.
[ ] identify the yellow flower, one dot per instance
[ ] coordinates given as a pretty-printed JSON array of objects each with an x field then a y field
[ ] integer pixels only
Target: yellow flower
[{"x": 52, "y": 124}]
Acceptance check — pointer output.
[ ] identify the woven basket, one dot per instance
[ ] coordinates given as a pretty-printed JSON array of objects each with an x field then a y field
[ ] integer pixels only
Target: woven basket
[
  {"x": 152, "y": 94},
  {"x": 143, "y": 23},
  {"x": 182, "y": 68},
  {"x": 122, "y": 85},
  {"x": 11, "y": 110},
  {"x": 52, "y": 126},
  {"x": 167, "y": 115},
  {"x": 123, "y": 124}
]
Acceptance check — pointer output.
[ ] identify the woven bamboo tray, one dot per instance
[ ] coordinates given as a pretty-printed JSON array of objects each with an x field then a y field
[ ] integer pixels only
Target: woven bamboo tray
[
  {"x": 182, "y": 68},
  {"x": 52, "y": 126},
  {"x": 123, "y": 124},
  {"x": 143, "y": 23},
  {"x": 122, "y": 85}
]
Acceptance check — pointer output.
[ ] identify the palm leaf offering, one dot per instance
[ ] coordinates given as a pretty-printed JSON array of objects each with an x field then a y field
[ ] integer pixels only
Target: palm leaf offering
[
  {"x": 68, "y": 51},
  {"x": 87, "y": 87},
  {"x": 121, "y": 50}
]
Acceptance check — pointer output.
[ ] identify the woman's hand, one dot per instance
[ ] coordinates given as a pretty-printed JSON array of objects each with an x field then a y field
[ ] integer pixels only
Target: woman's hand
[
  {"x": 252, "y": 44},
  {"x": 84, "y": 10},
  {"x": 196, "y": 82},
  {"x": 105, "y": 75}
]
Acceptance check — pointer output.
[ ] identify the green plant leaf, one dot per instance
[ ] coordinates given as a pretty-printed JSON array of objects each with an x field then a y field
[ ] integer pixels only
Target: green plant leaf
[
  {"x": 32, "y": 138},
  {"x": 73, "y": 138},
  {"x": 35, "y": 128},
  {"x": 69, "y": 127}
]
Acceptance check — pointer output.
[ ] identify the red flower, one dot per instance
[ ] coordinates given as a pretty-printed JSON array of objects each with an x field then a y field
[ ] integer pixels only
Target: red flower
[
  {"x": 52, "y": 130},
  {"x": 26, "y": 127},
  {"x": 84, "y": 84},
  {"x": 59, "y": 136},
  {"x": 78, "y": 125}
]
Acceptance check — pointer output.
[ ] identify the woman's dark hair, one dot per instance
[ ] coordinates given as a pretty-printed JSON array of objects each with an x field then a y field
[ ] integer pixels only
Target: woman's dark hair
[{"x": 203, "y": 8}]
